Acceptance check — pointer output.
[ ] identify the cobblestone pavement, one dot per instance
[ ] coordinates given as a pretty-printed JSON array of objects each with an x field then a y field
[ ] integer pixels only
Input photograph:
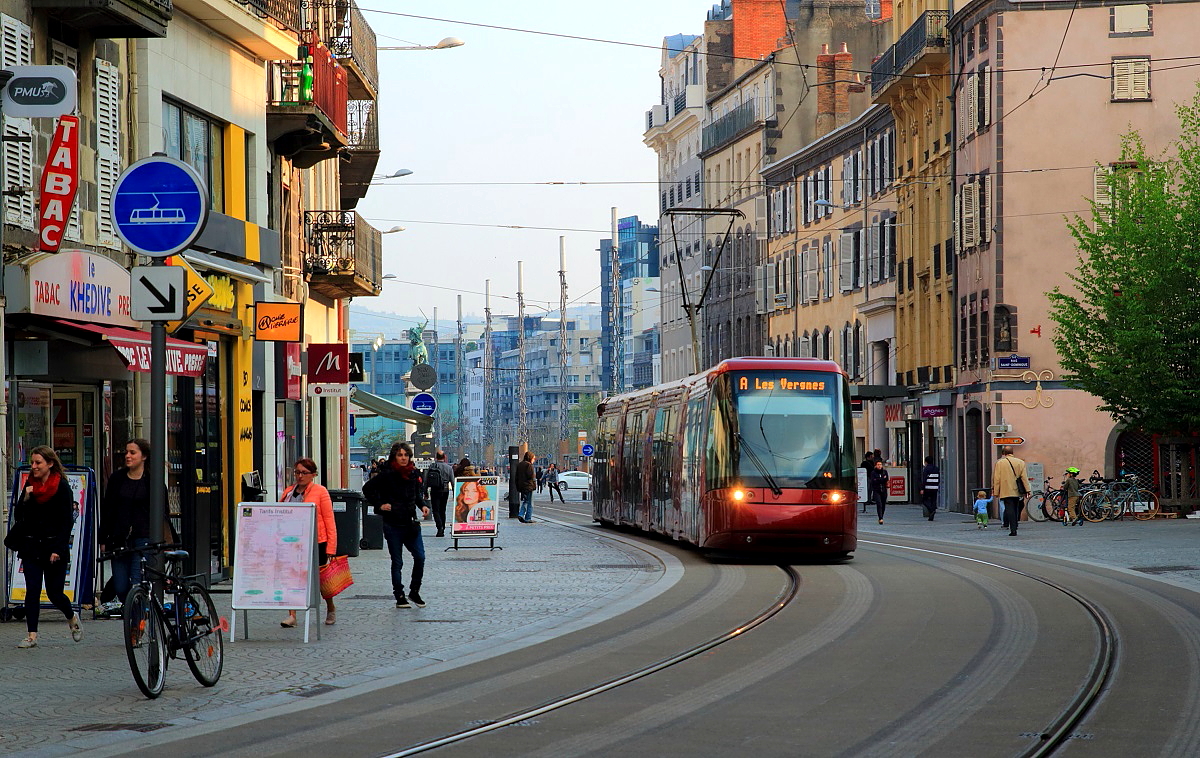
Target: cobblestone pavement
[
  {"x": 64, "y": 698},
  {"x": 1164, "y": 549}
]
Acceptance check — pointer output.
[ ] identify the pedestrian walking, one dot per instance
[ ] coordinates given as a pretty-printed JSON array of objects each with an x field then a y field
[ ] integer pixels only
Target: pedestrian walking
[
  {"x": 396, "y": 494},
  {"x": 877, "y": 488},
  {"x": 125, "y": 519},
  {"x": 465, "y": 468},
  {"x": 930, "y": 482},
  {"x": 306, "y": 490},
  {"x": 1071, "y": 486},
  {"x": 982, "y": 501},
  {"x": 868, "y": 463},
  {"x": 41, "y": 536},
  {"x": 1010, "y": 485},
  {"x": 552, "y": 483},
  {"x": 439, "y": 478},
  {"x": 541, "y": 481},
  {"x": 526, "y": 482}
]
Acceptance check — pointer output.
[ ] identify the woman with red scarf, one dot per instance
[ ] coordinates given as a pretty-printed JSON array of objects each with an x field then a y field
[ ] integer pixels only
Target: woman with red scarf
[
  {"x": 396, "y": 493},
  {"x": 44, "y": 517}
]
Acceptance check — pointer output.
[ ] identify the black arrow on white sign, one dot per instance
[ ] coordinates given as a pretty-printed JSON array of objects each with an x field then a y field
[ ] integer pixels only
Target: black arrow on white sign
[{"x": 166, "y": 302}]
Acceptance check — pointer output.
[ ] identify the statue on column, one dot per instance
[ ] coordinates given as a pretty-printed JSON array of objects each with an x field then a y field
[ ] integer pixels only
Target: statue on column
[{"x": 417, "y": 351}]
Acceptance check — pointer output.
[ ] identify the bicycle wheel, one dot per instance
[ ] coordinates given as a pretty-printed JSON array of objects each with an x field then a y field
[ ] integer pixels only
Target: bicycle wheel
[
  {"x": 1095, "y": 506},
  {"x": 145, "y": 642},
  {"x": 1058, "y": 506},
  {"x": 1150, "y": 508},
  {"x": 203, "y": 645},
  {"x": 1035, "y": 511}
]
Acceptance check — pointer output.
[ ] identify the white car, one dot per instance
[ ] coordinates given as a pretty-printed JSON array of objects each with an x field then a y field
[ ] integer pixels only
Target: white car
[{"x": 574, "y": 480}]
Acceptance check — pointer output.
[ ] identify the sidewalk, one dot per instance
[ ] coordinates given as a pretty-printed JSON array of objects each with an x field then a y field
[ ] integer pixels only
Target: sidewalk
[
  {"x": 549, "y": 579},
  {"x": 1165, "y": 549}
]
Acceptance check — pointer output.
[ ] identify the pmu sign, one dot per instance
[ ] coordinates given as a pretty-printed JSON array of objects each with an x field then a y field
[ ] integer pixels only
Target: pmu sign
[
  {"x": 60, "y": 182},
  {"x": 40, "y": 92}
]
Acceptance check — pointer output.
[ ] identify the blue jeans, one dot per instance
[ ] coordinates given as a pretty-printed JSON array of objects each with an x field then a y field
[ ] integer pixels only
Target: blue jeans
[
  {"x": 127, "y": 569},
  {"x": 399, "y": 538},
  {"x": 526, "y": 510}
]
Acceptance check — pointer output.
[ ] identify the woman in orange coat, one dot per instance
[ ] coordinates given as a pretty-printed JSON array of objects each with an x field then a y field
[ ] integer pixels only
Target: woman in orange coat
[{"x": 305, "y": 490}]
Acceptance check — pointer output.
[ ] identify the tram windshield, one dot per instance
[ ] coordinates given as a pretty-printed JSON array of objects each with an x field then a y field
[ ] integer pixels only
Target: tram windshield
[{"x": 784, "y": 429}]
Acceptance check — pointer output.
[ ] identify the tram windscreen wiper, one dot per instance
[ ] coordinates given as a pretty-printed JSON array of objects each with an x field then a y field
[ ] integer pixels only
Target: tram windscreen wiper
[{"x": 759, "y": 465}]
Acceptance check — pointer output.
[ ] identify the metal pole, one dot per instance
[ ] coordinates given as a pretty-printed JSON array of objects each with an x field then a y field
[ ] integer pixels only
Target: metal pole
[
  {"x": 458, "y": 385},
  {"x": 5, "y": 473},
  {"x": 488, "y": 370},
  {"x": 617, "y": 320},
  {"x": 563, "y": 399},
  {"x": 158, "y": 430},
  {"x": 522, "y": 409},
  {"x": 437, "y": 387}
]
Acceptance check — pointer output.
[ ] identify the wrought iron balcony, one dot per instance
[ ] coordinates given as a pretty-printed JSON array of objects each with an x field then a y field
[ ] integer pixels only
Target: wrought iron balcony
[
  {"x": 729, "y": 126},
  {"x": 926, "y": 35},
  {"x": 362, "y": 154},
  {"x": 345, "y": 31},
  {"x": 343, "y": 256},
  {"x": 306, "y": 105},
  {"x": 111, "y": 19},
  {"x": 285, "y": 13}
]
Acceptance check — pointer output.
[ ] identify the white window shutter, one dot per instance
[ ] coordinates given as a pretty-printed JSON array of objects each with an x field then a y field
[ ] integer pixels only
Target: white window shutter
[
  {"x": 1122, "y": 80},
  {"x": 964, "y": 97},
  {"x": 18, "y": 145},
  {"x": 794, "y": 296},
  {"x": 860, "y": 185},
  {"x": 972, "y": 102},
  {"x": 1102, "y": 193},
  {"x": 812, "y": 283},
  {"x": 873, "y": 254},
  {"x": 989, "y": 209},
  {"x": 771, "y": 288},
  {"x": 846, "y": 261},
  {"x": 1139, "y": 80},
  {"x": 63, "y": 55},
  {"x": 970, "y": 220},
  {"x": 986, "y": 116},
  {"x": 760, "y": 218},
  {"x": 958, "y": 220},
  {"x": 847, "y": 179},
  {"x": 108, "y": 148}
]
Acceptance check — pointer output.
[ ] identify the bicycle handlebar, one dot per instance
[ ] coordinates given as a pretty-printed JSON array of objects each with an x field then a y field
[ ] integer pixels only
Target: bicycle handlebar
[{"x": 156, "y": 547}]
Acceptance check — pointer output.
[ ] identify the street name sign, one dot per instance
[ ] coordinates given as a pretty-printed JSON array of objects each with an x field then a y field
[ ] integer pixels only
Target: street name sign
[
  {"x": 157, "y": 293},
  {"x": 159, "y": 206}
]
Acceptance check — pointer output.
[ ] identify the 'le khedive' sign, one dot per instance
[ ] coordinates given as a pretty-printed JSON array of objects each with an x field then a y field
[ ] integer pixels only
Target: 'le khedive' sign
[{"x": 278, "y": 322}]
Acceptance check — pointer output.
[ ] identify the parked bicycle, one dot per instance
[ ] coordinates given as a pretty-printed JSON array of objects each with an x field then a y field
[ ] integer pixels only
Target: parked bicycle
[
  {"x": 1116, "y": 498},
  {"x": 156, "y": 631}
]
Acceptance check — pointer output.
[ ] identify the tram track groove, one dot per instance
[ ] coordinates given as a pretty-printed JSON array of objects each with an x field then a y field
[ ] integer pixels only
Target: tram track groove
[
  {"x": 786, "y": 596},
  {"x": 1061, "y": 727}
]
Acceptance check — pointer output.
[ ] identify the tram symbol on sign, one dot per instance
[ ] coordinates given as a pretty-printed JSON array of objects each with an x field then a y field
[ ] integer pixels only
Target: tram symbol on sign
[{"x": 156, "y": 215}]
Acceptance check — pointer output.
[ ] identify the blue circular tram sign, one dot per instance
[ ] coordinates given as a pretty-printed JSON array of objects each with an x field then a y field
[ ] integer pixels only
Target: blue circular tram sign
[
  {"x": 159, "y": 206},
  {"x": 424, "y": 403}
]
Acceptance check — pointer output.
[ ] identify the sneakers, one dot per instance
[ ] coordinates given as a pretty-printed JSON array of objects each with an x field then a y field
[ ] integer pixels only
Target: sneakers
[
  {"x": 27, "y": 643},
  {"x": 402, "y": 602},
  {"x": 415, "y": 597},
  {"x": 76, "y": 629}
]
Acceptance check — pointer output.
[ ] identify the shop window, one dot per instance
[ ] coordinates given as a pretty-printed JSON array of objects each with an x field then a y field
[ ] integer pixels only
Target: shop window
[{"x": 198, "y": 141}]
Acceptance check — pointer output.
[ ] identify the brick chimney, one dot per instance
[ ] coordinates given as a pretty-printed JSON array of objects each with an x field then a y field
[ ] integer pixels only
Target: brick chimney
[
  {"x": 833, "y": 88},
  {"x": 885, "y": 11},
  {"x": 758, "y": 27}
]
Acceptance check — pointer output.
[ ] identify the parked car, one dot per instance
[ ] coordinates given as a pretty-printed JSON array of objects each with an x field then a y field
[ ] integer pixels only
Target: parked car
[{"x": 574, "y": 480}]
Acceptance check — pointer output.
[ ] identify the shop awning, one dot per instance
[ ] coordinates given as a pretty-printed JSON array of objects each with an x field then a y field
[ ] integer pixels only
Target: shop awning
[
  {"x": 183, "y": 358},
  {"x": 388, "y": 409}
]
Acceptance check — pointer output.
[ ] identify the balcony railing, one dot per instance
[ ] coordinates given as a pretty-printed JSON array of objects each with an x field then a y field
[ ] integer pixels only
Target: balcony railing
[
  {"x": 344, "y": 254},
  {"x": 345, "y": 31},
  {"x": 928, "y": 31},
  {"x": 285, "y": 13},
  {"x": 363, "y": 151},
  {"x": 729, "y": 126},
  {"x": 314, "y": 80},
  {"x": 111, "y": 19}
]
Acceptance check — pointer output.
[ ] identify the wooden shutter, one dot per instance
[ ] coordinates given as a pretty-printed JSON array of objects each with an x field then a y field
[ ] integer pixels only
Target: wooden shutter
[
  {"x": 964, "y": 97},
  {"x": 958, "y": 220},
  {"x": 62, "y": 55},
  {"x": 760, "y": 218},
  {"x": 989, "y": 207},
  {"x": 1139, "y": 80},
  {"x": 1122, "y": 80},
  {"x": 846, "y": 261},
  {"x": 18, "y": 132},
  {"x": 985, "y": 118},
  {"x": 873, "y": 256},
  {"x": 970, "y": 221},
  {"x": 1102, "y": 193},
  {"x": 812, "y": 277}
]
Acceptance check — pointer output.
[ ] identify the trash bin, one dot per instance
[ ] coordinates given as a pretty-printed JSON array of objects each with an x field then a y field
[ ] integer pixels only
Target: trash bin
[
  {"x": 372, "y": 528},
  {"x": 347, "y": 517}
]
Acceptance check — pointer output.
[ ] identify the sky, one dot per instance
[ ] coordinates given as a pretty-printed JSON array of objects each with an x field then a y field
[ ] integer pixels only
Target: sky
[{"x": 482, "y": 125}]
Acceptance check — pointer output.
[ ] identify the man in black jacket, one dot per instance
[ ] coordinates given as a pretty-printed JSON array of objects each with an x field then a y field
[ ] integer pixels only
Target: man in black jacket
[
  {"x": 525, "y": 480},
  {"x": 438, "y": 480},
  {"x": 396, "y": 494}
]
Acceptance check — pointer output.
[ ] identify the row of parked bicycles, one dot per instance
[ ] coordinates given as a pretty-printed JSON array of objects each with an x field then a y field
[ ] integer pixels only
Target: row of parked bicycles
[{"x": 1100, "y": 500}]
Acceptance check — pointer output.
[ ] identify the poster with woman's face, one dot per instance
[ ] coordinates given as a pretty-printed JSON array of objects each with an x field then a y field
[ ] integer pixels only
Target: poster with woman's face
[{"x": 476, "y": 504}]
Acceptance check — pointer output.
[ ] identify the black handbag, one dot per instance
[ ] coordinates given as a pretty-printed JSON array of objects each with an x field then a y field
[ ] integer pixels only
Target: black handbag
[
  {"x": 1022, "y": 490},
  {"x": 15, "y": 539}
]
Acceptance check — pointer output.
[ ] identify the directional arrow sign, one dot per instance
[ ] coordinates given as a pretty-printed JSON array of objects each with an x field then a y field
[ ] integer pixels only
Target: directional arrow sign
[
  {"x": 197, "y": 291},
  {"x": 156, "y": 293},
  {"x": 999, "y": 428},
  {"x": 1008, "y": 440}
]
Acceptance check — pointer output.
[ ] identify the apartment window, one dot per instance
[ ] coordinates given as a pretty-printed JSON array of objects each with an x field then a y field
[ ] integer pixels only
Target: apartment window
[
  {"x": 1130, "y": 21},
  {"x": 197, "y": 140},
  {"x": 1130, "y": 79},
  {"x": 983, "y": 35},
  {"x": 970, "y": 44}
]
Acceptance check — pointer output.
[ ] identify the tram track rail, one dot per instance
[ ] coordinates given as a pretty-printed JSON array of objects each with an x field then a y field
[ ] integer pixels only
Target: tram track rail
[
  {"x": 786, "y": 596},
  {"x": 1059, "y": 730}
]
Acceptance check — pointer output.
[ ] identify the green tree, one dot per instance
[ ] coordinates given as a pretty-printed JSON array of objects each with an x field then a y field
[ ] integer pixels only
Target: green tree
[
  {"x": 582, "y": 417},
  {"x": 1130, "y": 333},
  {"x": 377, "y": 443}
]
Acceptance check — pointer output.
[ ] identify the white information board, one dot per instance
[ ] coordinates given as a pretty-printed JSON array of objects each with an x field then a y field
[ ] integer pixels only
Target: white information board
[{"x": 275, "y": 564}]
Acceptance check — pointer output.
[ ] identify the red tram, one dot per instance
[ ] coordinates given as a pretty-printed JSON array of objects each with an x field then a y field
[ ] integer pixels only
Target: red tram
[{"x": 754, "y": 454}]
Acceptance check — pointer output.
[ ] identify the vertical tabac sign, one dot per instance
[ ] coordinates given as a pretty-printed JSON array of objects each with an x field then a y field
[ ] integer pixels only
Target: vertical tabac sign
[{"x": 60, "y": 182}]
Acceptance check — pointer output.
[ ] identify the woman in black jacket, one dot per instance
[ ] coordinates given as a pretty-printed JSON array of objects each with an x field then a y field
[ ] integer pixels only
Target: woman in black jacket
[
  {"x": 396, "y": 493},
  {"x": 44, "y": 518},
  {"x": 877, "y": 488},
  {"x": 125, "y": 516}
]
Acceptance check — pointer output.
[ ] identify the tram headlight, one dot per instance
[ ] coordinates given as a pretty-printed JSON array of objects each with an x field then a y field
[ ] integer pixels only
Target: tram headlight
[
  {"x": 739, "y": 495},
  {"x": 836, "y": 497}
]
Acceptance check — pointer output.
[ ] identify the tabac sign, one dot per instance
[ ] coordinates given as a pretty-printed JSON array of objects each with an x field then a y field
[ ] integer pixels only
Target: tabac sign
[
  {"x": 40, "y": 92},
  {"x": 60, "y": 181}
]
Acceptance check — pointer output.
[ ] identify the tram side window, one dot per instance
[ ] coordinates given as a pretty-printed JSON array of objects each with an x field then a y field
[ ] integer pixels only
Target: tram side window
[
  {"x": 664, "y": 448},
  {"x": 603, "y": 446},
  {"x": 631, "y": 454},
  {"x": 720, "y": 468}
]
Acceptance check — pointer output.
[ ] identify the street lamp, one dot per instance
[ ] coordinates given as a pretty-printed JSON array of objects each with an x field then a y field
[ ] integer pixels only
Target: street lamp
[
  {"x": 394, "y": 175},
  {"x": 393, "y": 230},
  {"x": 445, "y": 43}
]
